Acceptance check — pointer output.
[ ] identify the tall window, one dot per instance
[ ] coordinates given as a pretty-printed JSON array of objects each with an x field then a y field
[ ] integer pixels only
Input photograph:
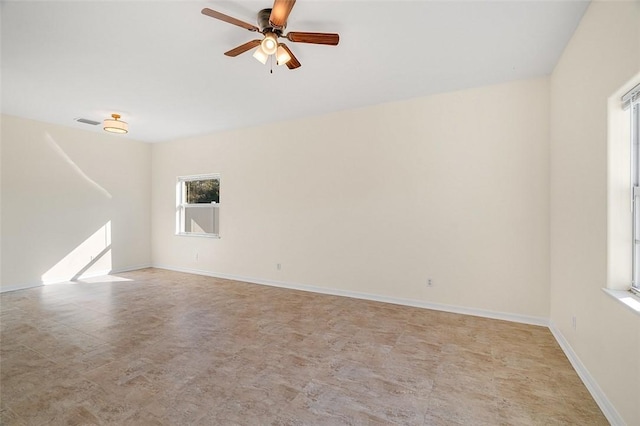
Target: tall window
[
  {"x": 632, "y": 101},
  {"x": 198, "y": 210}
]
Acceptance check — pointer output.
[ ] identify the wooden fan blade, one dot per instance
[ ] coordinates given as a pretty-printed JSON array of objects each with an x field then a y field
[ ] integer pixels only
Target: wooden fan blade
[
  {"x": 293, "y": 62},
  {"x": 280, "y": 12},
  {"x": 315, "y": 38},
  {"x": 229, "y": 19},
  {"x": 242, "y": 48}
]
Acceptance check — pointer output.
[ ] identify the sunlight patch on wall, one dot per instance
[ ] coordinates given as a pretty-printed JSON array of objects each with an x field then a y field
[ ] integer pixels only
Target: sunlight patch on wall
[
  {"x": 74, "y": 166},
  {"x": 631, "y": 302},
  {"x": 90, "y": 258}
]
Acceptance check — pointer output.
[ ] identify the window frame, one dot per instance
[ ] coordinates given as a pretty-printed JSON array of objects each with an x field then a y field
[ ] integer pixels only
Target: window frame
[
  {"x": 182, "y": 205},
  {"x": 634, "y": 107}
]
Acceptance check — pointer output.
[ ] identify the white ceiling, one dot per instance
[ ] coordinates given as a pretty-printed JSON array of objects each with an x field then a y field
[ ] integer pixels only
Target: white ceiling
[{"x": 161, "y": 64}]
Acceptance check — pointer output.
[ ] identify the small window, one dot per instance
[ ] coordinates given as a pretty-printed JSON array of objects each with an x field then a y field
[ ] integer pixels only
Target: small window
[{"x": 198, "y": 205}]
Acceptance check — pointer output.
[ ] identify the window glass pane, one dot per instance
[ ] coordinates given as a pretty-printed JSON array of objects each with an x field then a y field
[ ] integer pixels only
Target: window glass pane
[
  {"x": 635, "y": 152},
  {"x": 635, "y": 177},
  {"x": 201, "y": 220},
  {"x": 202, "y": 191}
]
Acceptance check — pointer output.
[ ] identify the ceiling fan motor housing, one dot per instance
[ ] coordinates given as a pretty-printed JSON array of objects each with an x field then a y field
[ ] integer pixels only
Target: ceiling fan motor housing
[{"x": 265, "y": 25}]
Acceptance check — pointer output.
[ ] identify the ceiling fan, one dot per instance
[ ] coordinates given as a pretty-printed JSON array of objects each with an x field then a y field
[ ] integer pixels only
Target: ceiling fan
[{"x": 272, "y": 23}]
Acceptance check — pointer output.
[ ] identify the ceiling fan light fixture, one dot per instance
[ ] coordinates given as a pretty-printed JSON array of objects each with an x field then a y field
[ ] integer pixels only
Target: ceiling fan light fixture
[
  {"x": 260, "y": 55},
  {"x": 282, "y": 56},
  {"x": 269, "y": 44},
  {"x": 114, "y": 125},
  {"x": 271, "y": 24}
]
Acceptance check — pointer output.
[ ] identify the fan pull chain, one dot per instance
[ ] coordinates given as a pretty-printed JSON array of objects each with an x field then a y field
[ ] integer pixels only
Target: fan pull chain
[{"x": 271, "y": 63}]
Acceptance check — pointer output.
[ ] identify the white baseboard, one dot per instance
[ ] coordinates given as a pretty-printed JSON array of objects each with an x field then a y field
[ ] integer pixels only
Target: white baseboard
[
  {"x": 14, "y": 287},
  {"x": 131, "y": 268},
  {"x": 23, "y": 286},
  {"x": 592, "y": 386},
  {"x": 525, "y": 319}
]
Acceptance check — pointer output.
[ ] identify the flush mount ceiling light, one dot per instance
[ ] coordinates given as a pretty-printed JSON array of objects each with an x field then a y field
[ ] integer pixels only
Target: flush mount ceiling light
[{"x": 114, "y": 125}]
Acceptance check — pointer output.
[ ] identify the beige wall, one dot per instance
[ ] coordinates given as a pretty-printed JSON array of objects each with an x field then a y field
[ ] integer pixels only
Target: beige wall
[
  {"x": 377, "y": 200},
  {"x": 73, "y": 202},
  {"x": 600, "y": 60}
]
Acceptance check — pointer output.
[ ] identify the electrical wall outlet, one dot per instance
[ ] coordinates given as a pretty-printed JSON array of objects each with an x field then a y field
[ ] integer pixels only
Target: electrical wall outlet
[{"x": 429, "y": 282}]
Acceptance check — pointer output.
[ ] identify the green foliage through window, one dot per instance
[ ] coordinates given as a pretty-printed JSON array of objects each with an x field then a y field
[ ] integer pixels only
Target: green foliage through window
[{"x": 202, "y": 191}]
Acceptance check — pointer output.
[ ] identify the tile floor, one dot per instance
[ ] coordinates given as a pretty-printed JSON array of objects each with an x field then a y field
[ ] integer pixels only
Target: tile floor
[{"x": 164, "y": 348}]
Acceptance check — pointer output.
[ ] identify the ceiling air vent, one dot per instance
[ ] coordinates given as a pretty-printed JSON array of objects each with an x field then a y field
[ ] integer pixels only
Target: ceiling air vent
[{"x": 87, "y": 121}]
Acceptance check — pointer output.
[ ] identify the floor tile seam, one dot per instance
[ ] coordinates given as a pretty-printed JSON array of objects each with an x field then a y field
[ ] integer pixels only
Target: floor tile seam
[
  {"x": 44, "y": 321},
  {"x": 422, "y": 412},
  {"x": 90, "y": 409},
  {"x": 35, "y": 320},
  {"x": 440, "y": 372},
  {"x": 149, "y": 380},
  {"x": 2, "y": 312},
  {"x": 94, "y": 336},
  {"x": 400, "y": 335},
  {"x": 21, "y": 400},
  {"x": 31, "y": 349},
  {"x": 106, "y": 391},
  {"x": 382, "y": 414},
  {"x": 40, "y": 353},
  {"x": 361, "y": 393},
  {"x": 435, "y": 394},
  {"x": 7, "y": 406},
  {"x": 397, "y": 347},
  {"x": 90, "y": 308},
  {"x": 92, "y": 369},
  {"x": 28, "y": 395},
  {"x": 46, "y": 423}
]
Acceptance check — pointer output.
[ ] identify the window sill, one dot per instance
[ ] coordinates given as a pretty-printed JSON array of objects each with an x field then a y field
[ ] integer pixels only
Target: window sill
[
  {"x": 191, "y": 234},
  {"x": 625, "y": 297}
]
